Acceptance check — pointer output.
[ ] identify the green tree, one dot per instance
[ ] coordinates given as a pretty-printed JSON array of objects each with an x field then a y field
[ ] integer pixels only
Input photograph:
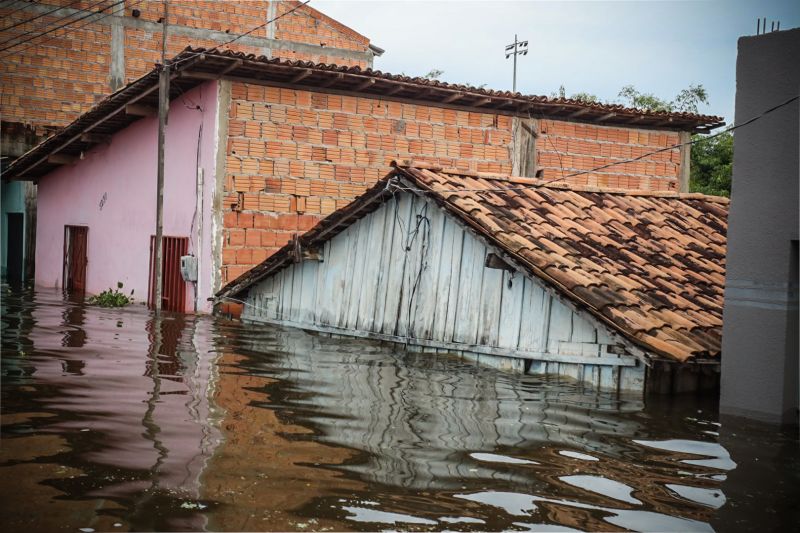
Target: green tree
[
  {"x": 588, "y": 98},
  {"x": 433, "y": 74},
  {"x": 687, "y": 101},
  {"x": 712, "y": 164}
]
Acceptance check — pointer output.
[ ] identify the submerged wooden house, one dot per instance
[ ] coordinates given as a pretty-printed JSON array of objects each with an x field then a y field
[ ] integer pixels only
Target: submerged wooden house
[{"x": 621, "y": 289}]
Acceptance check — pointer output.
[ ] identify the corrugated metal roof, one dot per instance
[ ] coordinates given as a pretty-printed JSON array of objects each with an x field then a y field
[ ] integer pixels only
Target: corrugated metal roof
[
  {"x": 649, "y": 265},
  {"x": 194, "y": 66}
]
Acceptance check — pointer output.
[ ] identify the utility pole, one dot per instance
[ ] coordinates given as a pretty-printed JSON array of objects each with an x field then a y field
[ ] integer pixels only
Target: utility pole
[
  {"x": 515, "y": 49},
  {"x": 163, "y": 110}
]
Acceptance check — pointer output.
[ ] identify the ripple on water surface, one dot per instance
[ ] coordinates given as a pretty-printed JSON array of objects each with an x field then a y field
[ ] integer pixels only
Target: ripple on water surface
[{"x": 114, "y": 419}]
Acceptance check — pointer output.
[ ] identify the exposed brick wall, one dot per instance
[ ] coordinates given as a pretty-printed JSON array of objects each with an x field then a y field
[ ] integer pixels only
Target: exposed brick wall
[
  {"x": 58, "y": 78},
  {"x": 565, "y": 148},
  {"x": 65, "y": 72},
  {"x": 295, "y": 156}
]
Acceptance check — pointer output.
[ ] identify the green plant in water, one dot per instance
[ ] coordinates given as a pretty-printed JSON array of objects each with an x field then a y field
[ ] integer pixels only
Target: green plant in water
[{"x": 111, "y": 298}]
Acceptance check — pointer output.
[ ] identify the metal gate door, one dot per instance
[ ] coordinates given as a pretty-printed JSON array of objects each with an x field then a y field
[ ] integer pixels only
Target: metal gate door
[
  {"x": 75, "y": 257},
  {"x": 173, "y": 288}
]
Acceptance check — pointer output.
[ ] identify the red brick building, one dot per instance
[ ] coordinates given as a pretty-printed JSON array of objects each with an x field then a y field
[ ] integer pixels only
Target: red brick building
[
  {"x": 295, "y": 141},
  {"x": 60, "y": 57}
]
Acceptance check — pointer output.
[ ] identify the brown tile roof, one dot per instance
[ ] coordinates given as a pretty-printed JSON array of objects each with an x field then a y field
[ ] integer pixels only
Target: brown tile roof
[
  {"x": 650, "y": 265},
  {"x": 194, "y": 66},
  {"x": 375, "y": 82}
]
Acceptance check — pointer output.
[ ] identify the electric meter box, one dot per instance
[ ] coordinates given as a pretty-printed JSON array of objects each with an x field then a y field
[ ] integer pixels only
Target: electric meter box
[{"x": 189, "y": 268}]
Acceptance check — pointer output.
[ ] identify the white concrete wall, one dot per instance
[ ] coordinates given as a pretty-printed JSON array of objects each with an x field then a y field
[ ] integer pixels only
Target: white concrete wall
[{"x": 409, "y": 273}]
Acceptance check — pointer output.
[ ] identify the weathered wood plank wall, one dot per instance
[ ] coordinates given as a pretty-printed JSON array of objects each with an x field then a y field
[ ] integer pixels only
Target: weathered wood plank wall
[{"x": 409, "y": 273}]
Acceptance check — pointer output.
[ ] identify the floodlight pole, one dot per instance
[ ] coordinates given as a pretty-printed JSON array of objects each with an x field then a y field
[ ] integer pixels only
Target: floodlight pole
[{"x": 515, "y": 49}]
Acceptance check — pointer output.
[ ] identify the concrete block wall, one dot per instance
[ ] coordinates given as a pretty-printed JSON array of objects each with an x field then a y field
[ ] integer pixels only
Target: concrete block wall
[
  {"x": 50, "y": 81},
  {"x": 295, "y": 156}
]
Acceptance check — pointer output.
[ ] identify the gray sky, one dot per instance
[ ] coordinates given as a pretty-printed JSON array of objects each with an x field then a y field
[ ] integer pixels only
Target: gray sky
[{"x": 596, "y": 46}]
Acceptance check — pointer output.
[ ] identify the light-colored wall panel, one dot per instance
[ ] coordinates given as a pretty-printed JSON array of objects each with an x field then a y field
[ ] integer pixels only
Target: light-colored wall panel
[{"x": 409, "y": 273}]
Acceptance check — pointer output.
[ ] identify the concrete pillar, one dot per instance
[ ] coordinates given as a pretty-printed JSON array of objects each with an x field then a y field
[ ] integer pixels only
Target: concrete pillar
[
  {"x": 117, "y": 67},
  {"x": 686, "y": 161},
  {"x": 760, "y": 333}
]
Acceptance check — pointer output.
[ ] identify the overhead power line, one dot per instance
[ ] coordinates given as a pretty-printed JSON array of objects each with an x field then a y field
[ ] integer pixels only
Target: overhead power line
[
  {"x": 614, "y": 163},
  {"x": 42, "y": 34},
  {"x": 23, "y": 6},
  {"x": 40, "y": 15},
  {"x": 84, "y": 25}
]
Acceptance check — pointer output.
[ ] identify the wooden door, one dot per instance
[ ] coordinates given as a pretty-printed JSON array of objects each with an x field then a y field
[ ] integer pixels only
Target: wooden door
[
  {"x": 75, "y": 257},
  {"x": 173, "y": 288}
]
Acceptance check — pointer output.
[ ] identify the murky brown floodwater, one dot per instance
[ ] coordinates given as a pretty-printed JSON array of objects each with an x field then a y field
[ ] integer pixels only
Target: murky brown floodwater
[{"x": 113, "y": 420}]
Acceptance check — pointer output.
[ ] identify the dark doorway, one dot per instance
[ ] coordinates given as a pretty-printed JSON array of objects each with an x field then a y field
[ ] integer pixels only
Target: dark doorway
[
  {"x": 75, "y": 257},
  {"x": 173, "y": 288},
  {"x": 16, "y": 246}
]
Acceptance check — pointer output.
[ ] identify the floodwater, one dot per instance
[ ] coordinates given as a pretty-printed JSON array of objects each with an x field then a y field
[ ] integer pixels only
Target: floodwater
[{"x": 113, "y": 420}]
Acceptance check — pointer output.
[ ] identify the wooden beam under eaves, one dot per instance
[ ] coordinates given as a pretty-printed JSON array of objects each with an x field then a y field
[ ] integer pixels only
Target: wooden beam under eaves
[
  {"x": 452, "y": 98},
  {"x": 302, "y": 75},
  {"x": 61, "y": 159},
  {"x": 580, "y": 112},
  {"x": 369, "y": 82},
  {"x": 605, "y": 117},
  {"x": 334, "y": 79},
  {"x": 233, "y": 66},
  {"x": 482, "y": 102},
  {"x": 140, "y": 110},
  {"x": 95, "y": 138},
  {"x": 494, "y": 261}
]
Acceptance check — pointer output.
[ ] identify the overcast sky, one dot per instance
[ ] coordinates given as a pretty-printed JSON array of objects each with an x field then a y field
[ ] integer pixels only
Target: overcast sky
[{"x": 595, "y": 46}]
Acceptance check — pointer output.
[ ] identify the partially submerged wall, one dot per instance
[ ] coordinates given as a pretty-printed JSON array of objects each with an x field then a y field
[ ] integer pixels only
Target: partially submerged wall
[
  {"x": 408, "y": 273},
  {"x": 295, "y": 156},
  {"x": 760, "y": 336},
  {"x": 112, "y": 190}
]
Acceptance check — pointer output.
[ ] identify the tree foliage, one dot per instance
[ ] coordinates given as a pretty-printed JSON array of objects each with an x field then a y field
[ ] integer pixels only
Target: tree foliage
[
  {"x": 433, "y": 74},
  {"x": 712, "y": 164},
  {"x": 589, "y": 98},
  {"x": 687, "y": 101}
]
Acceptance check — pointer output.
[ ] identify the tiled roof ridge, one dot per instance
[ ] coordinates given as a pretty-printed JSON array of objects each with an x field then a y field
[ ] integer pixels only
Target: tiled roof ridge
[
  {"x": 550, "y": 184},
  {"x": 436, "y": 84}
]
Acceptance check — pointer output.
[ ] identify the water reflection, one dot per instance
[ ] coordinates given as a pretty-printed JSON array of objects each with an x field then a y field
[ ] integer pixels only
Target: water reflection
[{"x": 119, "y": 420}]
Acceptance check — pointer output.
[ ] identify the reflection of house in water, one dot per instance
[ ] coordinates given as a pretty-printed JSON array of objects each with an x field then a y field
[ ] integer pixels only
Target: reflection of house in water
[
  {"x": 434, "y": 425},
  {"x": 267, "y": 467},
  {"x": 418, "y": 419},
  {"x": 140, "y": 422}
]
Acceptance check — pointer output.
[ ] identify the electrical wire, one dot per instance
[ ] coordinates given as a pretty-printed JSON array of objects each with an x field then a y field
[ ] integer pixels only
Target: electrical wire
[
  {"x": 93, "y": 21},
  {"x": 41, "y": 15},
  {"x": 613, "y": 163},
  {"x": 24, "y": 5},
  {"x": 42, "y": 34}
]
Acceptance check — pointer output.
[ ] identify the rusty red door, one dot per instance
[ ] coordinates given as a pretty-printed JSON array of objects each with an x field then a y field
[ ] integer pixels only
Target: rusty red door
[
  {"x": 75, "y": 257},
  {"x": 173, "y": 288}
]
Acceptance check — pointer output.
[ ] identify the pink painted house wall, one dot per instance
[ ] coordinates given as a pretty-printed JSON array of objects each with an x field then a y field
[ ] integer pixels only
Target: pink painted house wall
[{"x": 124, "y": 171}]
